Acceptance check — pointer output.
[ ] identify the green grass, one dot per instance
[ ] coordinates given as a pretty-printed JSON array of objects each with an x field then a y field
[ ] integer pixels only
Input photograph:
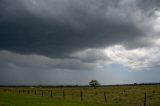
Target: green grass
[
  {"x": 8, "y": 99},
  {"x": 116, "y": 96}
]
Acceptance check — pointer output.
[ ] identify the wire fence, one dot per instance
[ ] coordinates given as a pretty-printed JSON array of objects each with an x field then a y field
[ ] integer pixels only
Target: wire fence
[{"x": 129, "y": 97}]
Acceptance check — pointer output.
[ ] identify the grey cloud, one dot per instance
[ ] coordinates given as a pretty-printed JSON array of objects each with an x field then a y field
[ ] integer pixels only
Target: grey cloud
[
  {"x": 148, "y": 4},
  {"x": 91, "y": 56},
  {"x": 10, "y": 61},
  {"x": 57, "y": 28}
]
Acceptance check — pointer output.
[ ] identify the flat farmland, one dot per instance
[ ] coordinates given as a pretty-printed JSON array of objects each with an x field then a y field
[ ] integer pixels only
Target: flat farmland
[{"x": 144, "y": 95}]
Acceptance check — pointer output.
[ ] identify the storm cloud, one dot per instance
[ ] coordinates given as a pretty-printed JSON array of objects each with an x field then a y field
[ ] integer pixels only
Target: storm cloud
[
  {"x": 56, "y": 28},
  {"x": 45, "y": 36}
]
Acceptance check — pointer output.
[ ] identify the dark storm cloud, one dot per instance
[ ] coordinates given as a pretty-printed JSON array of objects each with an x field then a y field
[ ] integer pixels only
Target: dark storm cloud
[{"x": 57, "y": 28}]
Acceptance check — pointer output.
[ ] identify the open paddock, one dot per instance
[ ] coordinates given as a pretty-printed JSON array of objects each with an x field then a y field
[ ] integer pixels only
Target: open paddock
[{"x": 144, "y": 95}]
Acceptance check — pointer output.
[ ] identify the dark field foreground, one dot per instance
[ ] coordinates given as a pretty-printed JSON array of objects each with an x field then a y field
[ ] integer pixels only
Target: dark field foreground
[{"x": 146, "y": 95}]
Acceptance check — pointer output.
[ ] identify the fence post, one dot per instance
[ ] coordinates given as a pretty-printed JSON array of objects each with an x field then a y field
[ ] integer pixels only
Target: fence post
[
  {"x": 105, "y": 98},
  {"x": 145, "y": 97},
  {"x": 51, "y": 94},
  {"x": 28, "y": 92},
  {"x": 81, "y": 95},
  {"x": 35, "y": 92},
  {"x": 72, "y": 95},
  {"x": 42, "y": 93},
  {"x": 63, "y": 94}
]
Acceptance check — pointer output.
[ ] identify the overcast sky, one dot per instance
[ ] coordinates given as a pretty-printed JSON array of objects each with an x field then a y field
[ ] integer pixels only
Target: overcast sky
[{"x": 74, "y": 41}]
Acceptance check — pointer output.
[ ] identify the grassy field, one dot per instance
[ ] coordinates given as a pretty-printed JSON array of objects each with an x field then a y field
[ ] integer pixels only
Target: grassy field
[{"x": 82, "y": 96}]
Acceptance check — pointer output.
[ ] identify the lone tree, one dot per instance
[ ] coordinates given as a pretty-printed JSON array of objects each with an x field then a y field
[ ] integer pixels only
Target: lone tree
[{"x": 94, "y": 83}]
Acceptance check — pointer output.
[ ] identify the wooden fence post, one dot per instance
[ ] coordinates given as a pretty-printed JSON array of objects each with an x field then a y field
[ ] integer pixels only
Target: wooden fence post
[
  {"x": 42, "y": 93},
  {"x": 28, "y": 92},
  {"x": 145, "y": 97},
  {"x": 63, "y": 94},
  {"x": 72, "y": 95},
  {"x": 105, "y": 98},
  {"x": 35, "y": 92},
  {"x": 51, "y": 94},
  {"x": 81, "y": 95}
]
